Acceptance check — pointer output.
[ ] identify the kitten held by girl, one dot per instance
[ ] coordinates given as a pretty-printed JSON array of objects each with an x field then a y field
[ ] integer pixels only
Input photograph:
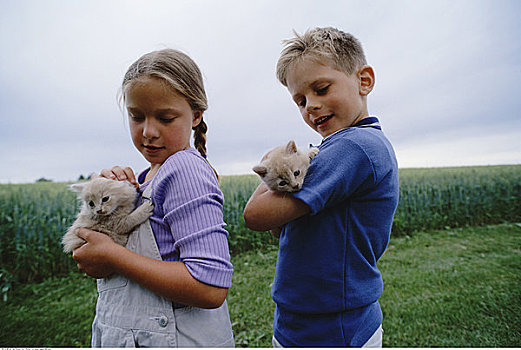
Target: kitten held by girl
[
  {"x": 108, "y": 206},
  {"x": 168, "y": 285}
]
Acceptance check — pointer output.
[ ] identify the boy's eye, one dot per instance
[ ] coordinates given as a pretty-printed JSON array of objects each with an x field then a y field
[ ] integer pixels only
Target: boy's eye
[
  {"x": 104, "y": 199},
  {"x": 91, "y": 203},
  {"x": 322, "y": 91},
  {"x": 166, "y": 120},
  {"x": 283, "y": 183},
  {"x": 296, "y": 173}
]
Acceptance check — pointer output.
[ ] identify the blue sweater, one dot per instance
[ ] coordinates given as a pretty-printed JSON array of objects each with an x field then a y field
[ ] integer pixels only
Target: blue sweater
[{"x": 326, "y": 284}]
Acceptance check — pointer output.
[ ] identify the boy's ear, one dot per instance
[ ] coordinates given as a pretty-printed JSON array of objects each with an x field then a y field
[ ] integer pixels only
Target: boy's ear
[{"x": 366, "y": 76}]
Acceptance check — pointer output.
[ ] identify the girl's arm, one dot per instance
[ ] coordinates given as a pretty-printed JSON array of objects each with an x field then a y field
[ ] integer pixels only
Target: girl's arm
[
  {"x": 100, "y": 257},
  {"x": 267, "y": 209}
]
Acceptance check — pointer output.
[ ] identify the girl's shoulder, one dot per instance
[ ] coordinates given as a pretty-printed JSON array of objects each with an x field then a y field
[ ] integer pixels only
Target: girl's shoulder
[
  {"x": 186, "y": 169},
  {"x": 188, "y": 161}
]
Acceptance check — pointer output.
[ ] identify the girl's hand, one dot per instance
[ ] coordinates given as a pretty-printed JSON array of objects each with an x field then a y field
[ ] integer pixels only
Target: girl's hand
[
  {"x": 94, "y": 257},
  {"x": 120, "y": 174}
]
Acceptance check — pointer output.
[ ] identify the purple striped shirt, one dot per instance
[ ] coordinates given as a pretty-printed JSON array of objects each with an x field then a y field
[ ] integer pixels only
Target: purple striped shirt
[{"x": 188, "y": 217}]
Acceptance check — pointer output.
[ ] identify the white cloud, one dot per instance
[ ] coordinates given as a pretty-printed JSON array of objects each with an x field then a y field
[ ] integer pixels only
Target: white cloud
[{"x": 442, "y": 68}]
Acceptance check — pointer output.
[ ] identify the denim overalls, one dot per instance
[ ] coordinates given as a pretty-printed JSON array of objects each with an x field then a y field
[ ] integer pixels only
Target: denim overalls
[{"x": 128, "y": 315}]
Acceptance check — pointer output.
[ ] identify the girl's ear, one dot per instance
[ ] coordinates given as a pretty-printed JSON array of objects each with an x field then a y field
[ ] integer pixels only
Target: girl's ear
[
  {"x": 366, "y": 76},
  {"x": 196, "y": 119}
]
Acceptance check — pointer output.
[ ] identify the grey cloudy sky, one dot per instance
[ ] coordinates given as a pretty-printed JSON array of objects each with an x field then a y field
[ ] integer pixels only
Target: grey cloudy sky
[{"x": 448, "y": 78}]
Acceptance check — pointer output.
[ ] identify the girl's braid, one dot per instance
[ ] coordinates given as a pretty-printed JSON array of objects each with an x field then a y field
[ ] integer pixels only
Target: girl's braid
[
  {"x": 200, "y": 137},
  {"x": 200, "y": 142}
]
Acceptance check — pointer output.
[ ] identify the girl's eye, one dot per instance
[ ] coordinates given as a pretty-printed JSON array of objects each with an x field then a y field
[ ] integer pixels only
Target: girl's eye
[
  {"x": 301, "y": 102},
  {"x": 91, "y": 203},
  {"x": 105, "y": 199},
  {"x": 136, "y": 118},
  {"x": 283, "y": 183},
  {"x": 296, "y": 173}
]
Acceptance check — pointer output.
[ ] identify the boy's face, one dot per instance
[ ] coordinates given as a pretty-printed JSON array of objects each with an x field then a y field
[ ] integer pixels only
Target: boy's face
[{"x": 328, "y": 99}]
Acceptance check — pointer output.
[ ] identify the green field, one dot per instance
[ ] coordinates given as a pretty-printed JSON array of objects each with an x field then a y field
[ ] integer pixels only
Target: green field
[
  {"x": 448, "y": 288},
  {"x": 451, "y": 279}
]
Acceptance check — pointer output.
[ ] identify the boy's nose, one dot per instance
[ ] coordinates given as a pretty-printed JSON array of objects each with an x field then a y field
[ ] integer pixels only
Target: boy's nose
[{"x": 312, "y": 105}]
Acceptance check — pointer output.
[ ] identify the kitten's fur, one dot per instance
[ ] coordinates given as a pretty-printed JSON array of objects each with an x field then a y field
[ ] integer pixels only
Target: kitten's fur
[
  {"x": 283, "y": 169},
  {"x": 108, "y": 207}
]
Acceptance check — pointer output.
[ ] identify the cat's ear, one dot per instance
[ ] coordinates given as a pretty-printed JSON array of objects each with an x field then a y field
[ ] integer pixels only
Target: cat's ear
[
  {"x": 77, "y": 187},
  {"x": 313, "y": 151},
  {"x": 291, "y": 147},
  {"x": 261, "y": 170}
]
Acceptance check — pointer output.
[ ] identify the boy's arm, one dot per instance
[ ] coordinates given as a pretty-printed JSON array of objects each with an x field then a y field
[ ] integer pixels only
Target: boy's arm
[{"x": 267, "y": 209}]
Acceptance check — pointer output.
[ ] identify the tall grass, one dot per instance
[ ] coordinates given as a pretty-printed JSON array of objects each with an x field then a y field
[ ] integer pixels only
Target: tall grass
[
  {"x": 33, "y": 217},
  {"x": 457, "y": 197}
]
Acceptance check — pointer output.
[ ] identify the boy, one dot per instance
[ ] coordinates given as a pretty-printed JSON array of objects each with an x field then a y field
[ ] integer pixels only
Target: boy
[{"x": 326, "y": 283}]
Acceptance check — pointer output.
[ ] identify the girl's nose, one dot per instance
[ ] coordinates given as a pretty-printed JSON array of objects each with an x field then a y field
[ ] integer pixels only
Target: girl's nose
[{"x": 150, "y": 130}]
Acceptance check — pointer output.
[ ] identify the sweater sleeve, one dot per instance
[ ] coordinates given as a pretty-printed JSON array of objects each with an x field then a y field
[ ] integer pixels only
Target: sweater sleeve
[{"x": 192, "y": 204}]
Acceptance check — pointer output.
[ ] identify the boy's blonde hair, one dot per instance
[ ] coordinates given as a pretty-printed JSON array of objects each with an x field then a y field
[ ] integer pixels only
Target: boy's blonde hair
[
  {"x": 180, "y": 72},
  {"x": 343, "y": 50}
]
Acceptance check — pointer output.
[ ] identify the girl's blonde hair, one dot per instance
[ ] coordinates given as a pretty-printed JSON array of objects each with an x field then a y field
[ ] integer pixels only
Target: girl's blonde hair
[
  {"x": 343, "y": 50},
  {"x": 180, "y": 72}
]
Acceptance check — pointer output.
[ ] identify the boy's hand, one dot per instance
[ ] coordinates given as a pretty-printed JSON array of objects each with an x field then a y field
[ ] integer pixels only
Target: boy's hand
[
  {"x": 119, "y": 173},
  {"x": 94, "y": 257}
]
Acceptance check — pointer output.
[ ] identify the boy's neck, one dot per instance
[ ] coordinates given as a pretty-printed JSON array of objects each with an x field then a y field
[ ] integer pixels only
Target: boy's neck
[{"x": 358, "y": 120}]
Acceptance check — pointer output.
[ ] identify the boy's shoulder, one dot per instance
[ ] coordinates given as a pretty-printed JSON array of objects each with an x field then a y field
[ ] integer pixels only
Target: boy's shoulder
[
  {"x": 361, "y": 145},
  {"x": 358, "y": 138}
]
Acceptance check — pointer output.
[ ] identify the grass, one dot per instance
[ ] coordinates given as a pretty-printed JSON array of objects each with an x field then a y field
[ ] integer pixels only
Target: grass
[
  {"x": 448, "y": 288},
  {"x": 33, "y": 217}
]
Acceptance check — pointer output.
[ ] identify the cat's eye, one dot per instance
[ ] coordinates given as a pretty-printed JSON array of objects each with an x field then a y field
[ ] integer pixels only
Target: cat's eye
[
  {"x": 296, "y": 173},
  {"x": 283, "y": 183},
  {"x": 104, "y": 199},
  {"x": 91, "y": 203}
]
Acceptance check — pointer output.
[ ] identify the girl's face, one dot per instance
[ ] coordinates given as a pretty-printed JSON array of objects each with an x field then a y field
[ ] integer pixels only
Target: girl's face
[{"x": 160, "y": 119}]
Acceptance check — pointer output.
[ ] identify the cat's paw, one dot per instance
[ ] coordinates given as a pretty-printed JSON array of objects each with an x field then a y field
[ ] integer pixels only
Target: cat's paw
[
  {"x": 313, "y": 151},
  {"x": 147, "y": 208},
  {"x": 71, "y": 241}
]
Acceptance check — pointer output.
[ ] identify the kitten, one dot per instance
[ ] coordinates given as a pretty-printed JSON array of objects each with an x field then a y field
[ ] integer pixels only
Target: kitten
[
  {"x": 108, "y": 207},
  {"x": 283, "y": 169}
]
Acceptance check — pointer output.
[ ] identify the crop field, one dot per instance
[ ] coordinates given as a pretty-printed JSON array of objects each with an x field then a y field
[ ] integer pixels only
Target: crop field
[
  {"x": 33, "y": 217},
  {"x": 442, "y": 222}
]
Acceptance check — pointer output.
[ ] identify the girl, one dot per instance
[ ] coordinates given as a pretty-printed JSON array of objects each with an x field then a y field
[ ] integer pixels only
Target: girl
[{"x": 168, "y": 286}]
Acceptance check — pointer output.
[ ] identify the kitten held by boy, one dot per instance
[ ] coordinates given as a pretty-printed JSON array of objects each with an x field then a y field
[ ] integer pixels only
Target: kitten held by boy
[
  {"x": 108, "y": 207},
  {"x": 284, "y": 168}
]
